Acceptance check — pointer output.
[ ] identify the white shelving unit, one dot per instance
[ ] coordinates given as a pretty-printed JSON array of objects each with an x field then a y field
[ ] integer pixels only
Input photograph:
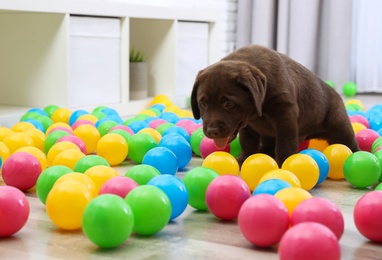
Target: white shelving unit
[{"x": 35, "y": 46}]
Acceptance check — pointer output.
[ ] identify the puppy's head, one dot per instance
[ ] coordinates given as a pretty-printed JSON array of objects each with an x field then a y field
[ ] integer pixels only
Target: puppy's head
[{"x": 225, "y": 95}]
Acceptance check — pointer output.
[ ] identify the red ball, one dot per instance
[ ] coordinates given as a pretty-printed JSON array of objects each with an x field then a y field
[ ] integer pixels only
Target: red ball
[
  {"x": 366, "y": 138},
  {"x": 225, "y": 195},
  {"x": 322, "y": 211},
  {"x": 21, "y": 170},
  {"x": 368, "y": 215},
  {"x": 263, "y": 219},
  {"x": 14, "y": 210},
  {"x": 119, "y": 185},
  {"x": 309, "y": 240},
  {"x": 207, "y": 146}
]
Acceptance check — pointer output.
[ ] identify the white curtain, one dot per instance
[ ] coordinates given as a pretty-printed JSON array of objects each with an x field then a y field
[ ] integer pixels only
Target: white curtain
[{"x": 316, "y": 33}]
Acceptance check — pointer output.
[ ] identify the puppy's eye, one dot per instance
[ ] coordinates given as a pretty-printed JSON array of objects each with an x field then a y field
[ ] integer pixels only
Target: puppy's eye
[
  {"x": 228, "y": 104},
  {"x": 202, "y": 104}
]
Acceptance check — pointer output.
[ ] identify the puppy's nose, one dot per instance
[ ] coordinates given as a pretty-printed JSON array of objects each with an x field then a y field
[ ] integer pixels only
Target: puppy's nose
[{"x": 212, "y": 132}]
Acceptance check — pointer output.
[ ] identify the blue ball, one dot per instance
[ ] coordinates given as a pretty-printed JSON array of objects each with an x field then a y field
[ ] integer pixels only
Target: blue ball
[
  {"x": 38, "y": 110},
  {"x": 271, "y": 186},
  {"x": 177, "y": 130},
  {"x": 138, "y": 125},
  {"x": 169, "y": 117},
  {"x": 37, "y": 124},
  {"x": 179, "y": 146},
  {"x": 160, "y": 107},
  {"x": 322, "y": 162},
  {"x": 109, "y": 111},
  {"x": 75, "y": 115},
  {"x": 175, "y": 190},
  {"x": 163, "y": 159}
]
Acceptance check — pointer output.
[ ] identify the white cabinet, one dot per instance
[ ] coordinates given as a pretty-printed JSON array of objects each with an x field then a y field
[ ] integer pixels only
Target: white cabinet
[{"x": 50, "y": 52}]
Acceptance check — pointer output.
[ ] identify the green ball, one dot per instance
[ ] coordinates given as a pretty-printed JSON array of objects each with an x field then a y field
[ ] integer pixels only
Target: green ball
[
  {"x": 156, "y": 111},
  {"x": 377, "y": 143},
  {"x": 151, "y": 208},
  {"x": 98, "y": 114},
  {"x": 98, "y": 109},
  {"x": 127, "y": 122},
  {"x": 235, "y": 147},
  {"x": 379, "y": 187},
  {"x": 107, "y": 221},
  {"x": 122, "y": 133},
  {"x": 196, "y": 182},
  {"x": 48, "y": 178},
  {"x": 139, "y": 144},
  {"x": 163, "y": 127},
  {"x": 141, "y": 117},
  {"x": 30, "y": 115},
  {"x": 52, "y": 138},
  {"x": 353, "y": 107},
  {"x": 378, "y": 154},
  {"x": 50, "y": 109},
  {"x": 349, "y": 89},
  {"x": 196, "y": 139},
  {"x": 45, "y": 121},
  {"x": 142, "y": 173},
  {"x": 362, "y": 169},
  {"x": 330, "y": 83},
  {"x": 89, "y": 161},
  {"x": 105, "y": 127}
]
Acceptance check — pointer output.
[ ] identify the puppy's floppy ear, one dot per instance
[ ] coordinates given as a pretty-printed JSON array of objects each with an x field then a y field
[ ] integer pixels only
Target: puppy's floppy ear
[
  {"x": 194, "y": 101},
  {"x": 256, "y": 83}
]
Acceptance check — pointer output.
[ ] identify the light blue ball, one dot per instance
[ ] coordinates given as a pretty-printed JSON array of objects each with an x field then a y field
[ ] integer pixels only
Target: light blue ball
[
  {"x": 322, "y": 162},
  {"x": 163, "y": 159},
  {"x": 169, "y": 117},
  {"x": 138, "y": 125},
  {"x": 271, "y": 186},
  {"x": 75, "y": 115},
  {"x": 179, "y": 146},
  {"x": 177, "y": 130}
]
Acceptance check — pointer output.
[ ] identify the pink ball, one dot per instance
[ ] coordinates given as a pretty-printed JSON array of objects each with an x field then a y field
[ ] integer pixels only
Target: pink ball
[
  {"x": 225, "y": 195},
  {"x": 322, "y": 211},
  {"x": 157, "y": 122},
  {"x": 366, "y": 138},
  {"x": 207, "y": 146},
  {"x": 62, "y": 129},
  {"x": 360, "y": 119},
  {"x": 309, "y": 240},
  {"x": 368, "y": 215},
  {"x": 191, "y": 128},
  {"x": 263, "y": 219},
  {"x": 14, "y": 210},
  {"x": 119, "y": 185},
  {"x": 122, "y": 127},
  {"x": 21, "y": 170},
  {"x": 185, "y": 122},
  {"x": 74, "y": 139},
  {"x": 81, "y": 122}
]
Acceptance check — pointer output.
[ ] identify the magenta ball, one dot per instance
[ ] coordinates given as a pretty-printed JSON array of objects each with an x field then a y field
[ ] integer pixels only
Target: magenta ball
[
  {"x": 21, "y": 170},
  {"x": 263, "y": 219},
  {"x": 309, "y": 240},
  {"x": 157, "y": 122},
  {"x": 366, "y": 138},
  {"x": 322, "y": 211},
  {"x": 225, "y": 195},
  {"x": 119, "y": 185},
  {"x": 75, "y": 140},
  {"x": 368, "y": 215},
  {"x": 191, "y": 128},
  {"x": 207, "y": 146},
  {"x": 14, "y": 210},
  {"x": 360, "y": 119},
  {"x": 122, "y": 127}
]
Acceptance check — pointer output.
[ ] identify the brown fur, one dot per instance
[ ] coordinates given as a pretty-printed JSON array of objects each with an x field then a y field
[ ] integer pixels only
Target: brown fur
[{"x": 272, "y": 101}]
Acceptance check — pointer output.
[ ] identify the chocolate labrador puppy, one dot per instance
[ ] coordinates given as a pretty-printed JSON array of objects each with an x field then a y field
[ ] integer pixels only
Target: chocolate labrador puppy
[{"x": 271, "y": 101}]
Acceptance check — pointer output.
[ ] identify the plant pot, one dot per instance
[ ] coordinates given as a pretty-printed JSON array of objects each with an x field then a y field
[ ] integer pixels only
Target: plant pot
[{"x": 138, "y": 80}]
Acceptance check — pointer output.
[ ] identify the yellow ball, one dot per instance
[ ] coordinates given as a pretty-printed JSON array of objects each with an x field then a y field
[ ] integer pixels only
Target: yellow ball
[
  {"x": 222, "y": 162},
  {"x": 88, "y": 117},
  {"x": 17, "y": 140},
  {"x": 318, "y": 144},
  {"x": 113, "y": 148},
  {"x": 40, "y": 155},
  {"x": 154, "y": 133},
  {"x": 305, "y": 168},
  {"x": 358, "y": 127},
  {"x": 185, "y": 114},
  {"x": 337, "y": 155},
  {"x": 282, "y": 174},
  {"x": 58, "y": 148},
  {"x": 255, "y": 166},
  {"x": 38, "y": 138},
  {"x": 57, "y": 124},
  {"x": 21, "y": 126},
  {"x": 90, "y": 135},
  {"x": 61, "y": 115},
  {"x": 4, "y": 132},
  {"x": 79, "y": 177},
  {"x": 68, "y": 158},
  {"x": 66, "y": 203},
  {"x": 292, "y": 197},
  {"x": 357, "y": 102},
  {"x": 147, "y": 112},
  {"x": 99, "y": 174},
  {"x": 161, "y": 99},
  {"x": 4, "y": 152}
]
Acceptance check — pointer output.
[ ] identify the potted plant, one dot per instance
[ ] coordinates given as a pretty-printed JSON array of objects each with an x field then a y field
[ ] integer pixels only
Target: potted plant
[{"x": 138, "y": 75}]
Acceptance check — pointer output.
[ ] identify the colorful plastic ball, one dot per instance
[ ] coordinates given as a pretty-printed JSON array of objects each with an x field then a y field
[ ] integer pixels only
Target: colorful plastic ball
[
  {"x": 179, "y": 146},
  {"x": 91, "y": 118},
  {"x": 75, "y": 115},
  {"x": 177, "y": 130},
  {"x": 225, "y": 195},
  {"x": 355, "y": 101},
  {"x": 322, "y": 211},
  {"x": 75, "y": 140},
  {"x": 154, "y": 133},
  {"x": 349, "y": 89},
  {"x": 163, "y": 127},
  {"x": 81, "y": 122},
  {"x": 122, "y": 127},
  {"x": 79, "y": 177},
  {"x": 376, "y": 144},
  {"x": 196, "y": 182},
  {"x": 360, "y": 119},
  {"x": 50, "y": 109},
  {"x": 4, "y": 151},
  {"x": 41, "y": 157},
  {"x": 263, "y": 219},
  {"x": 99, "y": 174},
  {"x": 362, "y": 169},
  {"x": 207, "y": 147},
  {"x": 68, "y": 158},
  {"x": 305, "y": 168},
  {"x": 169, "y": 117},
  {"x": 336, "y": 155},
  {"x": 138, "y": 125},
  {"x": 58, "y": 148},
  {"x": 21, "y": 170},
  {"x": 142, "y": 173},
  {"x": 105, "y": 126},
  {"x": 38, "y": 138},
  {"x": 45, "y": 121},
  {"x": 66, "y": 203},
  {"x": 126, "y": 135},
  {"x": 52, "y": 138},
  {"x": 163, "y": 159},
  {"x": 107, "y": 221},
  {"x": 175, "y": 190},
  {"x": 309, "y": 240},
  {"x": 156, "y": 122},
  {"x": 16, "y": 140},
  {"x": 195, "y": 140},
  {"x": 48, "y": 178},
  {"x": 4, "y": 132},
  {"x": 322, "y": 162},
  {"x": 271, "y": 187},
  {"x": 223, "y": 163},
  {"x": 89, "y": 135},
  {"x": 366, "y": 138},
  {"x": 113, "y": 148},
  {"x": 281, "y": 174},
  {"x": 318, "y": 144},
  {"x": 14, "y": 208},
  {"x": 139, "y": 144},
  {"x": 358, "y": 127},
  {"x": 37, "y": 125},
  {"x": 119, "y": 185},
  {"x": 254, "y": 167},
  {"x": 89, "y": 161},
  {"x": 61, "y": 115},
  {"x": 151, "y": 209},
  {"x": 292, "y": 197},
  {"x": 21, "y": 126},
  {"x": 378, "y": 154},
  {"x": 235, "y": 147},
  {"x": 59, "y": 125}
]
